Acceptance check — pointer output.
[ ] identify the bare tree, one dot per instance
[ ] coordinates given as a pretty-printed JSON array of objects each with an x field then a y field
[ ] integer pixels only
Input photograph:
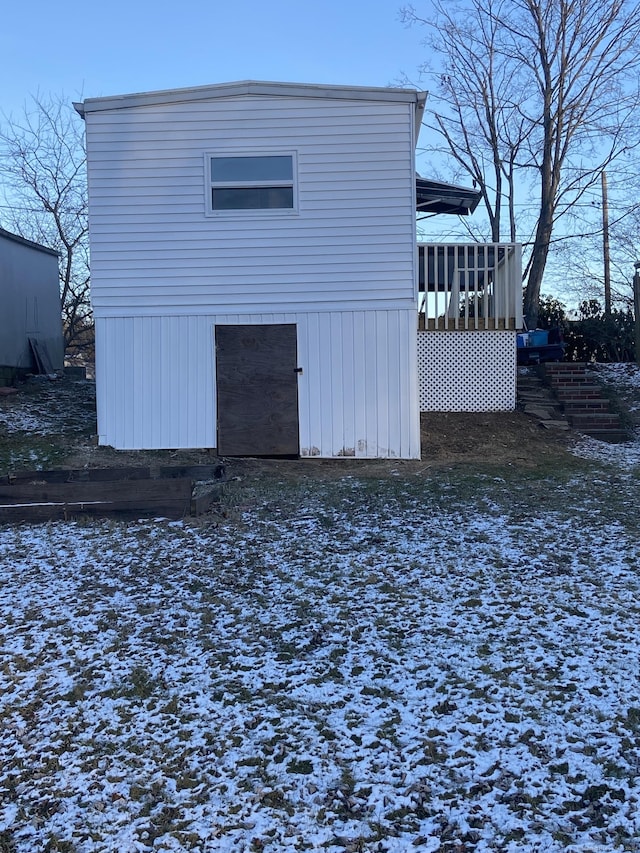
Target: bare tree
[
  {"x": 534, "y": 96},
  {"x": 578, "y": 256},
  {"x": 477, "y": 119},
  {"x": 43, "y": 182}
]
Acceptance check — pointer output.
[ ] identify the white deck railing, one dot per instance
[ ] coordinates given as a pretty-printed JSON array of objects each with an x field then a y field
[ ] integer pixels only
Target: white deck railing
[{"x": 469, "y": 286}]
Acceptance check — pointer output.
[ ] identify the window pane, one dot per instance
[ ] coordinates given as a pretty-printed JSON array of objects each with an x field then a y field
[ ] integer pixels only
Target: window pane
[
  {"x": 247, "y": 169},
  {"x": 251, "y": 198}
]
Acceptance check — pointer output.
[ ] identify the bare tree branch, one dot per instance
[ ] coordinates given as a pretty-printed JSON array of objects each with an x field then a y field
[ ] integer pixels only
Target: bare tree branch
[
  {"x": 43, "y": 183},
  {"x": 534, "y": 94}
]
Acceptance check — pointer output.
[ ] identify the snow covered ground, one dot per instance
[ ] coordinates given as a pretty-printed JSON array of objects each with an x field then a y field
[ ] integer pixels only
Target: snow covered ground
[
  {"x": 444, "y": 663},
  {"x": 625, "y": 379},
  {"x": 360, "y": 667}
]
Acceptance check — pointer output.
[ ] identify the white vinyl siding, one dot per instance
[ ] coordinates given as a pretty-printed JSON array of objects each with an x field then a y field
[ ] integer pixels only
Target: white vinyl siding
[
  {"x": 357, "y": 392},
  {"x": 154, "y": 250}
]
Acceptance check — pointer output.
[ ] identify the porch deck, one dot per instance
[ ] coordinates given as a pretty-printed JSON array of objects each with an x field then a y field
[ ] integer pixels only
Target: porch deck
[{"x": 469, "y": 286}]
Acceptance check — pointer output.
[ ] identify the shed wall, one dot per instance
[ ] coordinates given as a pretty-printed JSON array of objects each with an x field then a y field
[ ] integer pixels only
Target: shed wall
[
  {"x": 357, "y": 393},
  {"x": 351, "y": 245},
  {"x": 30, "y": 304}
]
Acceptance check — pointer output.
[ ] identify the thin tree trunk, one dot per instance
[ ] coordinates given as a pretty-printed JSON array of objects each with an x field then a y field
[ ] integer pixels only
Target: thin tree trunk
[
  {"x": 605, "y": 246},
  {"x": 536, "y": 272}
]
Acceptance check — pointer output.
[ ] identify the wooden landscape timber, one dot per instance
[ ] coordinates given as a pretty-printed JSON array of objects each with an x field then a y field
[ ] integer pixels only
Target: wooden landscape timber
[
  {"x": 92, "y": 475},
  {"x": 126, "y": 493}
]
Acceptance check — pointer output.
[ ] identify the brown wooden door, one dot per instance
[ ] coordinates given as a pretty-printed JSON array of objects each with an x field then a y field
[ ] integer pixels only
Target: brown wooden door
[{"x": 257, "y": 390}]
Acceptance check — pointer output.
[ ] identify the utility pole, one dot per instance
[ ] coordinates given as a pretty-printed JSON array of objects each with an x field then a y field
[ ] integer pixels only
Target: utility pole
[
  {"x": 605, "y": 245},
  {"x": 636, "y": 308}
]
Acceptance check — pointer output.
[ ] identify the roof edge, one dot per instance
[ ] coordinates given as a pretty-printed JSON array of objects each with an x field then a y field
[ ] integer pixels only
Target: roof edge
[
  {"x": 246, "y": 87},
  {"x": 30, "y": 243},
  {"x": 440, "y": 197}
]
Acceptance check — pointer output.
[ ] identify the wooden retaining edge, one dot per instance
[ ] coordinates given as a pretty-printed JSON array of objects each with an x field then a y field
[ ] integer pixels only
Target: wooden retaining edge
[
  {"x": 94, "y": 475},
  {"x": 127, "y": 494}
]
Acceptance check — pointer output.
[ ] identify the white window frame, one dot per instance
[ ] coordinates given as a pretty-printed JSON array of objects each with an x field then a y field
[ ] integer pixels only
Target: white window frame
[{"x": 242, "y": 213}]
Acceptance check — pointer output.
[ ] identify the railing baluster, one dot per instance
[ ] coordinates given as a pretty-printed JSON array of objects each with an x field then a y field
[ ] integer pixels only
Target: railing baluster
[
  {"x": 477, "y": 282},
  {"x": 487, "y": 284}
]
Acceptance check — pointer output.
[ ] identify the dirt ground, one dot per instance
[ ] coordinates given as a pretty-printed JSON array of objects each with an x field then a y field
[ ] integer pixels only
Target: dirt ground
[
  {"x": 479, "y": 440},
  {"x": 64, "y": 413}
]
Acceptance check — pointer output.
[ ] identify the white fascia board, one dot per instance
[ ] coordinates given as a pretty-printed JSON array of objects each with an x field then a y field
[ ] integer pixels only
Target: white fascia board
[
  {"x": 251, "y": 87},
  {"x": 421, "y": 103}
]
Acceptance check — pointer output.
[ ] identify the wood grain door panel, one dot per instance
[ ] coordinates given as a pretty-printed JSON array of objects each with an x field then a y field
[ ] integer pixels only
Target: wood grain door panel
[{"x": 257, "y": 390}]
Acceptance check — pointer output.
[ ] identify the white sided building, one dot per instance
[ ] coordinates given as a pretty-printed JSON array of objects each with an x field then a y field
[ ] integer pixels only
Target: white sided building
[{"x": 254, "y": 269}]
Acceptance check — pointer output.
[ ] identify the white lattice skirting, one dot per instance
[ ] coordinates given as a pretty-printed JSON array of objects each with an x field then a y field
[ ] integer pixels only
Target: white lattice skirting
[{"x": 467, "y": 371}]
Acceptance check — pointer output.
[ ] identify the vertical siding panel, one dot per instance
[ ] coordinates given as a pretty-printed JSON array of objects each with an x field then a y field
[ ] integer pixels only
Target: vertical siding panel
[
  {"x": 154, "y": 346},
  {"x": 194, "y": 368},
  {"x": 326, "y": 401},
  {"x": 189, "y": 369},
  {"x": 160, "y": 376},
  {"x": 142, "y": 387},
  {"x": 396, "y": 405},
  {"x": 349, "y": 381},
  {"x": 335, "y": 362},
  {"x": 126, "y": 382},
  {"x": 356, "y": 393},
  {"x": 372, "y": 355},
  {"x": 383, "y": 393},
  {"x": 179, "y": 381},
  {"x": 410, "y": 438},
  {"x": 214, "y": 322},
  {"x": 113, "y": 349},
  {"x": 302, "y": 322},
  {"x": 314, "y": 385},
  {"x": 130, "y": 332},
  {"x": 207, "y": 401},
  {"x": 149, "y": 394},
  {"x": 122, "y": 380},
  {"x": 103, "y": 391},
  {"x": 176, "y": 383},
  {"x": 360, "y": 357}
]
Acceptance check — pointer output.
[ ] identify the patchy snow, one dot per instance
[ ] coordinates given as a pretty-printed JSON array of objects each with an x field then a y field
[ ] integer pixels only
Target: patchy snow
[
  {"x": 625, "y": 455},
  {"x": 358, "y": 666},
  {"x": 437, "y": 665},
  {"x": 625, "y": 378},
  {"x": 45, "y": 407}
]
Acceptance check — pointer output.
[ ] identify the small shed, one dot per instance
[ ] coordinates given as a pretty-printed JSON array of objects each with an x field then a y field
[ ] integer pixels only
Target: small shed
[{"x": 31, "y": 334}]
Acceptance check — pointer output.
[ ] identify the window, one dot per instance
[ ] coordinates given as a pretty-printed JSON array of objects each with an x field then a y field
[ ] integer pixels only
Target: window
[{"x": 251, "y": 182}]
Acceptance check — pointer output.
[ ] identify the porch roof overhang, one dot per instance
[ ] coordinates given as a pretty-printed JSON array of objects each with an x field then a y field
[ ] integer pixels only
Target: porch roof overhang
[{"x": 438, "y": 197}]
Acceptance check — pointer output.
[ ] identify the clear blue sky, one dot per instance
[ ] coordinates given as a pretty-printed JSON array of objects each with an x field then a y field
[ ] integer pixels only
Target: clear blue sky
[{"x": 107, "y": 47}]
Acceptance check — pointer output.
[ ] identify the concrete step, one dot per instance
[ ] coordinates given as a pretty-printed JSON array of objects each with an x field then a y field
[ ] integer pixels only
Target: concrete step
[
  {"x": 537, "y": 396},
  {"x": 542, "y": 411},
  {"x": 555, "y": 424}
]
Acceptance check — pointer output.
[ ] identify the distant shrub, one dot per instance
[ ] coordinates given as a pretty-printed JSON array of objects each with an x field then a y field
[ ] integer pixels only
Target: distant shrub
[{"x": 594, "y": 336}]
